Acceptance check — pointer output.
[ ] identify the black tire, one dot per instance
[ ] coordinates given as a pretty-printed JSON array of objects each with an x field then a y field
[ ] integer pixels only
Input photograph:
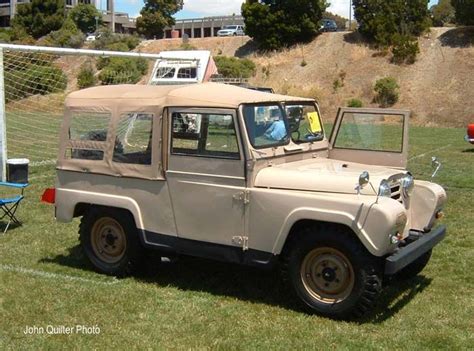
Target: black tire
[
  {"x": 110, "y": 240},
  {"x": 332, "y": 273},
  {"x": 414, "y": 268}
]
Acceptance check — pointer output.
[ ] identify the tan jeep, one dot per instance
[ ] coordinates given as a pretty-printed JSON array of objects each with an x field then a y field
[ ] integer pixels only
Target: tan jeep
[{"x": 241, "y": 176}]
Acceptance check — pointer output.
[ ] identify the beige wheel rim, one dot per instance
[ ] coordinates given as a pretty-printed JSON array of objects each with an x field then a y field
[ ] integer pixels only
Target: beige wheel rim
[
  {"x": 327, "y": 275},
  {"x": 108, "y": 240}
]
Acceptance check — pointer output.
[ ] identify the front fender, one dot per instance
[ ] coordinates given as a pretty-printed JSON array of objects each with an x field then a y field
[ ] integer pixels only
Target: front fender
[
  {"x": 67, "y": 199},
  {"x": 372, "y": 222}
]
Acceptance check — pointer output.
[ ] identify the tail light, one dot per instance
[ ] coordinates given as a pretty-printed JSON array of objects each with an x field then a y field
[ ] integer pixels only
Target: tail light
[{"x": 49, "y": 196}]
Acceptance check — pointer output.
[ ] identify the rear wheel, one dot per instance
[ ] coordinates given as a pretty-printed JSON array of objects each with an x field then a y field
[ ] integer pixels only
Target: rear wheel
[
  {"x": 110, "y": 240},
  {"x": 332, "y": 273}
]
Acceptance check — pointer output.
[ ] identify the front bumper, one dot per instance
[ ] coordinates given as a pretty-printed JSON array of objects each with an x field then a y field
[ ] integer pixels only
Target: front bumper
[
  {"x": 409, "y": 253},
  {"x": 469, "y": 139}
]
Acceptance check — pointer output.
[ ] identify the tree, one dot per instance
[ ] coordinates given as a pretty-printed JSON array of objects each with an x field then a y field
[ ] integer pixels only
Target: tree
[
  {"x": 442, "y": 13},
  {"x": 84, "y": 16},
  {"x": 39, "y": 17},
  {"x": 156, "y": 15},
  {"x": 381, "y": 21},
  {"x": 464, "y": 11},
  {"x": 275, "y": 24}
]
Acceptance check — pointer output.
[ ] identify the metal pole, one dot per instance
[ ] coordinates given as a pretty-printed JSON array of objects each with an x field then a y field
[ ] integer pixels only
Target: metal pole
[
  {"x": 350, "y": 15},
  {"x": 3, "y": 124}
]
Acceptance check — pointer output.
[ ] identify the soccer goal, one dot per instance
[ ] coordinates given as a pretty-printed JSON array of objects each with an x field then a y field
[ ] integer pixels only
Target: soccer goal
[{"x": 34, "y": 82}]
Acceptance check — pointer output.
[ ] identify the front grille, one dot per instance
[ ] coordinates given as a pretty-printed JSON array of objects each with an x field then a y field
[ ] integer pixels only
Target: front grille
[{"x": 396, "y": 192}]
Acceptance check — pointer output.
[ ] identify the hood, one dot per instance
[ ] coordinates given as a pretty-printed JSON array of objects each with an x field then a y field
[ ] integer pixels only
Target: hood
[{"x": 323, "y": 175}]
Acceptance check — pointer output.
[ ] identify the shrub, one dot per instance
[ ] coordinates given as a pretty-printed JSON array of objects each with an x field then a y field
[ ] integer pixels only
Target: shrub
[
  {"x": 405, "y": 50},
  {"x": 33, "y": 80},
  {"x": 387, "y": 91},
  {"x": 120, "y": 70},
  {"x": 86, "y": 77},
  {"x": 355, "y": 103},
  {"x": 232, "y": 67},
  {"x": 69, "y": 36},
  {"x": 187, "y": 46},
  {"x": 106, "y": 40}
]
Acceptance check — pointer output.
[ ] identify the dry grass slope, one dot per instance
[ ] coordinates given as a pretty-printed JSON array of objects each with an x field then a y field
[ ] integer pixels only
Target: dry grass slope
[{"x": 438, "y": 88}]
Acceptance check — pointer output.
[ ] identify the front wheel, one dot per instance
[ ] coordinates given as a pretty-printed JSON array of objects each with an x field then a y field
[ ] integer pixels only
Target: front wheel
[
  {"x": 110, "y": 240},
  {"x": 332, "y": 273}
]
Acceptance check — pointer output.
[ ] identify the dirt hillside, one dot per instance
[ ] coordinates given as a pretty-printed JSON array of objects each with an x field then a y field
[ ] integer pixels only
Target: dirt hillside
[{"x": 438, "y": 88}]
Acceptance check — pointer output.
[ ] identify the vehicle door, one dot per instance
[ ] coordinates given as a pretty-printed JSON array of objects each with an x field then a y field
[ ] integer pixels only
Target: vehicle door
[
  {"x": 206, "y": 174},
  {"x": 371, "y": 136}
]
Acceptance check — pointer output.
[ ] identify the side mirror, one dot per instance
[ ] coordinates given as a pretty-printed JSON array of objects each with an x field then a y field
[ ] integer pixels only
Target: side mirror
[
  {"x": 364, "y": 179},
  {"x": 436, "y": 165}
]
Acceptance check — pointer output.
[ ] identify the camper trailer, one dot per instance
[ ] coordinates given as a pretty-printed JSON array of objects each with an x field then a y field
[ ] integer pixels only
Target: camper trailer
[{"x": 183, "y": 67}]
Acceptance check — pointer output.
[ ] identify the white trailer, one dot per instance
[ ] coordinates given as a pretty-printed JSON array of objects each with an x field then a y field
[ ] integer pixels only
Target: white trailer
[{"x": 183, "y": 67}]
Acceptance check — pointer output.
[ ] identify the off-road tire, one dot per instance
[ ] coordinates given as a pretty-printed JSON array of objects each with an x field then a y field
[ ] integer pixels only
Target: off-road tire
[
  {"x": 96, "y": 225},
  {"x": 414, "y": 268},
  {"x": 342, "y": 247}
]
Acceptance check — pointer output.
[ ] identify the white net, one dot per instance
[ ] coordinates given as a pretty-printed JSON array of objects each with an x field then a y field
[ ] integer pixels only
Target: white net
[{"x": 36, "y": 84}]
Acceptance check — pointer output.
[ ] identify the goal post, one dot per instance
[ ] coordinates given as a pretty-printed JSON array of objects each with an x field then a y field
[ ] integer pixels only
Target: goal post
[{"x": 34, "y": 82}]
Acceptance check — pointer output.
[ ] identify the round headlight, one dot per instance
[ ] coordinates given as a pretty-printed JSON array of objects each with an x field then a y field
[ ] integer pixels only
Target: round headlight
[
  {"x": 384, "y": 189},
  {"x": 408, "y": 184}
]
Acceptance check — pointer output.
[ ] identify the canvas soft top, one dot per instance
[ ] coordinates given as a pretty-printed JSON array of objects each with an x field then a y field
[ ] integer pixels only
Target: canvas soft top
[
  {"x": 195, "y": 95},
  {"x": 87, "y": 108}
]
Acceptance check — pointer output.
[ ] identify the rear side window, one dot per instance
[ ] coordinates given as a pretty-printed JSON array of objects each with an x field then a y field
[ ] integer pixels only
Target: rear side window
[
  {"x": 88, "y": 126},
  {"x": 205, "y": 135},
  {"x": 91, "y": 126},
  {"x": 133, "y": 138}
]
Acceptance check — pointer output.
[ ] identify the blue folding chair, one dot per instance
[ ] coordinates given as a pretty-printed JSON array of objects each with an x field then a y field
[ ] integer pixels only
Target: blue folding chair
[{"x": 9, "y": 205}]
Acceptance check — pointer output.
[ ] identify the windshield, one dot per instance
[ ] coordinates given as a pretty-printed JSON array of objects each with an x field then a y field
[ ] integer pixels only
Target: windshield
[
  {"x": 266, "y": 125},
  {"x": 270, "y": 125},
  {"x": 230, "y": 27},
  {"x": 304, "y": 123}
]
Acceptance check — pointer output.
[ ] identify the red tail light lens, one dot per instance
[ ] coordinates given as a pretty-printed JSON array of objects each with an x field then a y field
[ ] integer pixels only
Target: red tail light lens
[{"x": 49, "y": 196}]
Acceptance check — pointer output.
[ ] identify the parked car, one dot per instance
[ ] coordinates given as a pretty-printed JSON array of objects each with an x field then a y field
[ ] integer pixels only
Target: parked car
[
  {"x": 231, "y": 30},
  {"x": 237, "y": 175},
  {"x": 470, "y": 133},
  {"x": 328, "y": 25}
]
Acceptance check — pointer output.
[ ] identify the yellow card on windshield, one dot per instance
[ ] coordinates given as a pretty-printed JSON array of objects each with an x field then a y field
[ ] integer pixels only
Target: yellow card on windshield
[{"x": 314, "y": 123}]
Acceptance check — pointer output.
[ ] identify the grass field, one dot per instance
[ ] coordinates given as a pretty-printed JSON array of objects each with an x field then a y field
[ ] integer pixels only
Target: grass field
[{"x": 198, "y": 304}]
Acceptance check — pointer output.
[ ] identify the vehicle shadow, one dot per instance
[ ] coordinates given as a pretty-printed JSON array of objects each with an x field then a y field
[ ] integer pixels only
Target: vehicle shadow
[
  {"x": 468, "y": 150},
  {"x": 394, "y": 297},
  {"x": 459, "y": 37},
  {"x": 244, "y": 283}
]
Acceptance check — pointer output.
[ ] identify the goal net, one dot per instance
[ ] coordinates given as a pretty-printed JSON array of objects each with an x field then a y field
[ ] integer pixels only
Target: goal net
[{"x": 34, "y": 82}]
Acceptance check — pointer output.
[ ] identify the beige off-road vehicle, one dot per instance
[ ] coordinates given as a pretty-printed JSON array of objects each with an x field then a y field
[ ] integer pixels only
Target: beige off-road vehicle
[{"x": 242, "y": 176}]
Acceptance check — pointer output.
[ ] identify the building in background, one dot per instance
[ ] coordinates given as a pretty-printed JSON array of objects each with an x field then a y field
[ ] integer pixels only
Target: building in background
[
  {"x": 120, "y": 21},
  {"x": 201, "y": 27}
]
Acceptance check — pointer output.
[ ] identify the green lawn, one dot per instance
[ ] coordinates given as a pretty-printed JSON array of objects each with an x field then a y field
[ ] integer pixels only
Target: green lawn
[{"x": 193, "y": 303}]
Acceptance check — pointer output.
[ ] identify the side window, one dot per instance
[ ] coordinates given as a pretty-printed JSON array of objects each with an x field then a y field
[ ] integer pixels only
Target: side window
[
  {"x": 88, "y": 126},
  {"x": 133, "y": 139},
  {"x": 371, "y": 132},
  {"x": 205, "y": 135}
]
